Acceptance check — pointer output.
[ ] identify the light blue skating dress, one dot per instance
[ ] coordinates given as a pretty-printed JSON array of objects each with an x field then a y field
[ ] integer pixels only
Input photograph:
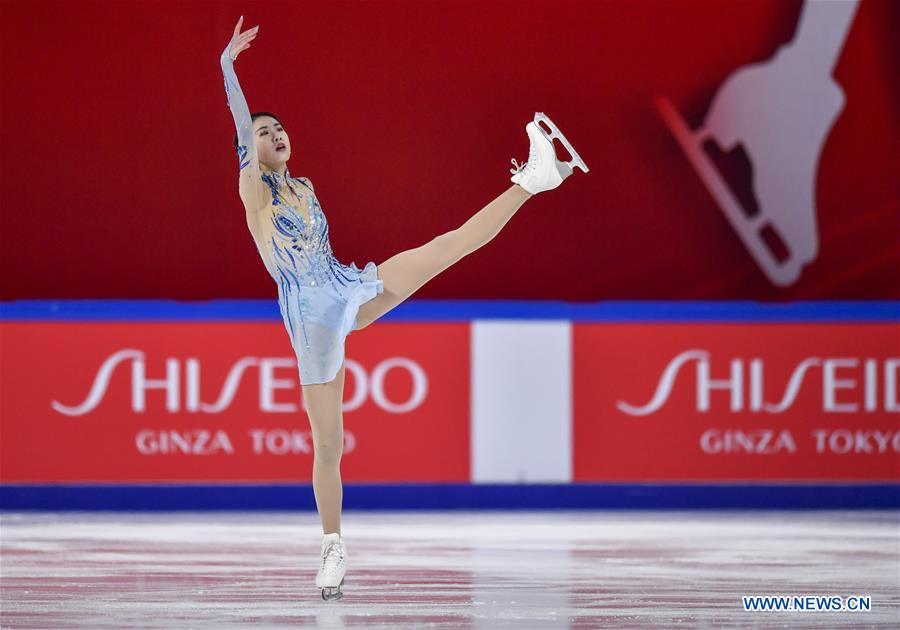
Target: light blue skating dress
[{"x": 318, "y": 296}]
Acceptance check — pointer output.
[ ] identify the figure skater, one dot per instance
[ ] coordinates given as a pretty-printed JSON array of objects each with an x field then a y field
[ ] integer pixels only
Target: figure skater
[{"x": 322, "y": 300}]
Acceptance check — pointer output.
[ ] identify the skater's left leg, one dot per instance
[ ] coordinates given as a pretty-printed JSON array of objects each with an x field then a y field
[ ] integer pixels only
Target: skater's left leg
[
  {"x": 324, "y": 406},
  {"x": 404, "y": 273}
]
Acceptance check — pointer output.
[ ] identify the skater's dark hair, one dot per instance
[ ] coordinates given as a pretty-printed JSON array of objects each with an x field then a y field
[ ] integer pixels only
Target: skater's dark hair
[{"x": 253, "y": 117}]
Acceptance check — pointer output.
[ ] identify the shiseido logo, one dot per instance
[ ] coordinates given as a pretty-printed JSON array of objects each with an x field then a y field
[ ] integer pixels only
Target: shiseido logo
[
  {"x": 187, "y": 398},
  {"x": 862, "y": 384}
]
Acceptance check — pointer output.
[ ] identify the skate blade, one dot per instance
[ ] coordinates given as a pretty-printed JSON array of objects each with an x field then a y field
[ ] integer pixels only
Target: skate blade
[
  {"x": 331, "y": 596},
  {"x": 781, "y": 273},
  {"x": 332, "y": 592},
  {"x": 576, "y": 162}
]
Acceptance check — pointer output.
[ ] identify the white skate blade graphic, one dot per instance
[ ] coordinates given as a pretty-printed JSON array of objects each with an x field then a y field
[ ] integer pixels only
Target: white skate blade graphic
[
  {"x": 747, "y": 228},
  {"x": 556, "y": 133},
  {"x": 780, "y": 112}
]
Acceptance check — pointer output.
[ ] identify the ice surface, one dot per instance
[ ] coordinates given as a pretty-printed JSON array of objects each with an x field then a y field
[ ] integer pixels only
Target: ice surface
[{"x": 444, "y": 569}]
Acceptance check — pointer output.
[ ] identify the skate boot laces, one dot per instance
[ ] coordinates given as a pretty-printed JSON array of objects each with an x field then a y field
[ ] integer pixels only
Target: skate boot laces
[
  {"x": 332, "y": 554},
  {"x": 528, "y": 168},
  {"x": 525, "y": 167}
]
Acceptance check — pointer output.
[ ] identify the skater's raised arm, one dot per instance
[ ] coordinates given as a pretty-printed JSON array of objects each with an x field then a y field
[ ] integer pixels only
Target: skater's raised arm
[{"x": 250, "y": 186}]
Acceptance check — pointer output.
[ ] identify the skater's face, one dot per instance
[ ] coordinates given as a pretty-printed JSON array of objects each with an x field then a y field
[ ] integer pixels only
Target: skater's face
[{"x": 269, "y": 135}]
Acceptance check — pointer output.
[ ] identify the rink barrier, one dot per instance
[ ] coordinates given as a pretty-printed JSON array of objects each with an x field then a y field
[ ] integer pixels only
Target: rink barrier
[
  {"x": 424, "y": 496},
  {"x": 463, "y": 310},
  {"x": 482, "y": 493}
]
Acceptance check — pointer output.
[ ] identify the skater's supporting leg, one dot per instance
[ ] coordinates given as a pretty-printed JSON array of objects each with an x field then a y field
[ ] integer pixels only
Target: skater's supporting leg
[
  {"x": 324, "y": 402},
  {"x": 406, "y": 272}
]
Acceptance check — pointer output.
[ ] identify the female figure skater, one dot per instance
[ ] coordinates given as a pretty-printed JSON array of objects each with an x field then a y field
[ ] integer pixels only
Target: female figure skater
[{"x": 321, "y": 299}]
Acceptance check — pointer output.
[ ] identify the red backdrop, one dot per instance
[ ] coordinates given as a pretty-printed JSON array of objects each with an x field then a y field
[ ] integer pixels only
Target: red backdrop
[{"x": 119, "y": 179}]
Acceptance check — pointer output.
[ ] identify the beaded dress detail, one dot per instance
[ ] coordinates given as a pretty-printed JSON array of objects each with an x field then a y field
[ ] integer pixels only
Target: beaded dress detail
[{"x": 318, "y": 296}]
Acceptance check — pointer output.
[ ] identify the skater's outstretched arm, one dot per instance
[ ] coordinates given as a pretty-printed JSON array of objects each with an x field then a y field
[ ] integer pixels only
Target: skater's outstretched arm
[{"x": 250, "y": 186}]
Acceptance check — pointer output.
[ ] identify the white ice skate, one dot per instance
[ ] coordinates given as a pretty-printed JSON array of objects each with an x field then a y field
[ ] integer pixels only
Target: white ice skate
[
  {"x": 330, "y": 576},
  {"x": 544, "y": 171}
]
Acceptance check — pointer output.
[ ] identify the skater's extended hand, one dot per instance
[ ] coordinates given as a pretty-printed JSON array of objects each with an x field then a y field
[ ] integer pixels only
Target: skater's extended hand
[{"x": 240, "y": 41}]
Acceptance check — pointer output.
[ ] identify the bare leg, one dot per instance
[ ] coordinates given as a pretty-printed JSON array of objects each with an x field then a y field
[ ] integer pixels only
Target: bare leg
[
  {"x": 404, "y": 273},
  {"x": 324, "y": 406}
]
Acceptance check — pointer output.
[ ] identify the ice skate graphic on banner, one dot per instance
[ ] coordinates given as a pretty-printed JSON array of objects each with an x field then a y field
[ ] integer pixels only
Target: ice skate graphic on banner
[{"x": 780, "y": 113}]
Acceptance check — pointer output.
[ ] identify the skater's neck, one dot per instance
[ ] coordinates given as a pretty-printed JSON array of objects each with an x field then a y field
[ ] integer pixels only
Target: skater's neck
[{"x": 281, "y": 171}]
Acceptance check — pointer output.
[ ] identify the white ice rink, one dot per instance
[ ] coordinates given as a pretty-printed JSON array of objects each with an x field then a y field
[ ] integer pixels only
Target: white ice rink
[{"x": 445, "y": 569}]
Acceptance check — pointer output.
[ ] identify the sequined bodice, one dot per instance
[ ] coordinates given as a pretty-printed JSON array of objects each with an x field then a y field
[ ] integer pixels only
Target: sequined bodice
[
  {"x": 297, "y": 237},
  {"x": 318, "y": 297}
]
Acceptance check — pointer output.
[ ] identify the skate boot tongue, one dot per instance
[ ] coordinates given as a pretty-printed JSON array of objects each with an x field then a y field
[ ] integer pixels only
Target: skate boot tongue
[{"x": 334, "y": 537}]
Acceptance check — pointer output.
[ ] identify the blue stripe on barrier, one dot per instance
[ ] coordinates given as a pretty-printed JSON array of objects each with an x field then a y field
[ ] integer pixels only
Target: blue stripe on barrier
[
  {"x": 435, "y": 496},
  {"x": 461, "y": 310}
]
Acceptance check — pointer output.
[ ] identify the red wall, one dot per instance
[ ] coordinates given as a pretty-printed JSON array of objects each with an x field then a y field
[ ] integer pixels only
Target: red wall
[{"x": 119, "y": 180}]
